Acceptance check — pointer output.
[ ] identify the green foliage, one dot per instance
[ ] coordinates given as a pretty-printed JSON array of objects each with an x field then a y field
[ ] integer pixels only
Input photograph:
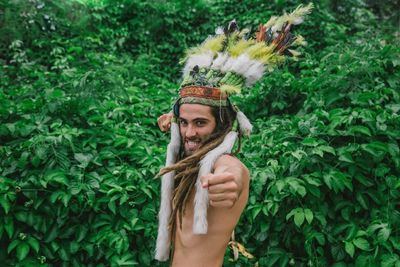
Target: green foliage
[{"x": 79, "y": 147}]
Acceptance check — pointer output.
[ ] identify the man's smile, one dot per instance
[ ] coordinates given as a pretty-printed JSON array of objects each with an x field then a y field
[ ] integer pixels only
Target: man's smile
[{"x": 192, "y": 145}]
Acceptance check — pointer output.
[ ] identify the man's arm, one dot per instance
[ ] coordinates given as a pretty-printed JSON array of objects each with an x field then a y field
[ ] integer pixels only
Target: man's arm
[{"x": 229, "y": 180}]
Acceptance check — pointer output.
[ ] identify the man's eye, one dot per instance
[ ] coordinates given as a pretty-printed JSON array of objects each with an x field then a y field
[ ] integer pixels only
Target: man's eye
[
  {"x": 183, "y": 122},
  {"x": 200, "y": 123}
]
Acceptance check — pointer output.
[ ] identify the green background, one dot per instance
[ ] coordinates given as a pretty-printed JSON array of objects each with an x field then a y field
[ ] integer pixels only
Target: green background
[{"x": 81, "y": 86}]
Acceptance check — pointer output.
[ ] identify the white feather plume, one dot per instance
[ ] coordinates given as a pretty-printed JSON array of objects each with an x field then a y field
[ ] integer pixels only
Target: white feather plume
[
  {"x": 298, "y": 21},
  {"x": 219, "y": 61},
  {"x": 167, "y": 185},
  {"x": 242, "y": 64},
  {"x": 254, "y": 73},
  {"x": 219, "y": 30},
  {"x": 200, "y": 224},
  {"x": 228, "y": 64},
  {"x": 201, "y": 60},
  {"x": 244, "y": 123}
]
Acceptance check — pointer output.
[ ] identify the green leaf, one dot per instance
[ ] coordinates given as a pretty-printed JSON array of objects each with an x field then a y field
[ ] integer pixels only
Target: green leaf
[
  {"x": 393, "y": 149},
  {"x": 299, "y": 218},
  {"x": 290, "y": 214},
  {"x": 125, "y": 260},
  {"x": 5, "y": 203},
  {"x": 309, "y": 141},
  {"x": 362, "y": 200},
  {"x": 56, "y": 176},
  {"x": 389, "y": 260},
  {"x": 51, "y": 234},
  {"x": 349, "y": 247},
  {"x": 346, "y": 157},
  {"x": 74, "y": 247},
  {"x": 75, "y": 188},
  {"x": 93, "y": 183},
  {"x": 255, "y": 211},
  {"x": 375, "y": 148},
  {"x": 82, "y": 231},
  {"x": 393, "y": 107},
  {"x": 21, "y": 216},
  {"x": 65, "y": 199},
  {"x": 361, "y": 243},
  {"x": 360, "y": 129},
  {"x": 64, "y": 255},
  {"x": 328, "y": 149},
  {"x": 13, "y": 245},
  {"x": 318, "y": 151},
  {"x": 299, "y": 154},
  {"x": 309, "y": 215},
  {"x": 295, "y": 186},
  {"x": 111, "y": 205},
  {"x": 280, "y": 184},
  {"x": 146, "y": 191},
  {"x": 9, "y": 226},
  {"x": 328, "y": 180},
  {"x": 22, "y": 251},
  {"x": 320, "y": 238},
  {"x": 383, "y": 234},
  {"x": 83, "y": 159},
  {"x": 55, "y": 196},
  {"x": 34, "y": 244}
]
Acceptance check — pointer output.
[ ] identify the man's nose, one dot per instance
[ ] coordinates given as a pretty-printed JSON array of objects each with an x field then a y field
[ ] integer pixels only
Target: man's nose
[{"x": 191, "y": 131}]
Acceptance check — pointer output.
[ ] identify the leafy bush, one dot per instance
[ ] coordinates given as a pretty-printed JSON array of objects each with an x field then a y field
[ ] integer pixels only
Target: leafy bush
[{"x": 79, "y": 147}]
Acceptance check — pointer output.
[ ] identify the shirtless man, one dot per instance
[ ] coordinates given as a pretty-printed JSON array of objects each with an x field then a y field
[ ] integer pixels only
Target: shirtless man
[
  {"x": 204, "y": 188},
  {"x": 228, "y": 188}
]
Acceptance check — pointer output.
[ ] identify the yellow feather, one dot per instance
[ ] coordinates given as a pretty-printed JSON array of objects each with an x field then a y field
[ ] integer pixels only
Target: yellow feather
[
  {"x": 259, "y": 50},
  {"x": 270, "y": 22},
  {"x": 232, "y": 40},
  {"x": 279, "y": 22},
  {"x": 299, "y": 41},
  {"x": 294, "y": 53},
  {"x": 214, "y": 44},
  {"x": 299, "y": 12},
  {"x": 239, "y": 47}
]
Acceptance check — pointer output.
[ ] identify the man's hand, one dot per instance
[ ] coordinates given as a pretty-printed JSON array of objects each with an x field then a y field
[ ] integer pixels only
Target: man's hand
[
  {"x": 223, "y": 189},
  {"x": 164, "y": 121}
]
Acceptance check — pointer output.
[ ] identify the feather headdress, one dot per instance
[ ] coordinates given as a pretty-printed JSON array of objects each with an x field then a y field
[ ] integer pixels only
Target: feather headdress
[{"x": 223, "y": 65}]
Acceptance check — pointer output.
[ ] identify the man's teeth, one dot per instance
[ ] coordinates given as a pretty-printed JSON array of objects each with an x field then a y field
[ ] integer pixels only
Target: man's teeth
[{"x": 192, "y": 144}]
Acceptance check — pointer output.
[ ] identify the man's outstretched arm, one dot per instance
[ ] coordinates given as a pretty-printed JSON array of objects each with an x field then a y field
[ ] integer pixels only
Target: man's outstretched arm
[{"x": 228, "y": 182}]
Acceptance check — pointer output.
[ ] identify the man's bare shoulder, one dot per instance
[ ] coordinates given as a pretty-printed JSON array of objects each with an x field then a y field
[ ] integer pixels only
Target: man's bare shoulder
[{"x": 228, "y": 162}]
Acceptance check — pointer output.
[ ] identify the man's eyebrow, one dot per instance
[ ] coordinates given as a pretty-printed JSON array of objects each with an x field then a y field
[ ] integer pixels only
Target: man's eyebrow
[{"x": 195, "y": 119}]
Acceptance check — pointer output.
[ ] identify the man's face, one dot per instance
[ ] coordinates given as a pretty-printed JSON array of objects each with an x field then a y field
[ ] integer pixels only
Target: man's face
[{"x": 196, "y": 124}]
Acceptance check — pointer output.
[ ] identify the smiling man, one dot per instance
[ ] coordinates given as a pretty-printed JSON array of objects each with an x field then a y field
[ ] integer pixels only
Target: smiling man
[
  {"x": 204, "y": 186},
  {"x": 203, "y": 128}
]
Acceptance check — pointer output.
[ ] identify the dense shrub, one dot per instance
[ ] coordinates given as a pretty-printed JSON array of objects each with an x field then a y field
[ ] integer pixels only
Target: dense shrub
[{"x": 81, "y": 86}]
